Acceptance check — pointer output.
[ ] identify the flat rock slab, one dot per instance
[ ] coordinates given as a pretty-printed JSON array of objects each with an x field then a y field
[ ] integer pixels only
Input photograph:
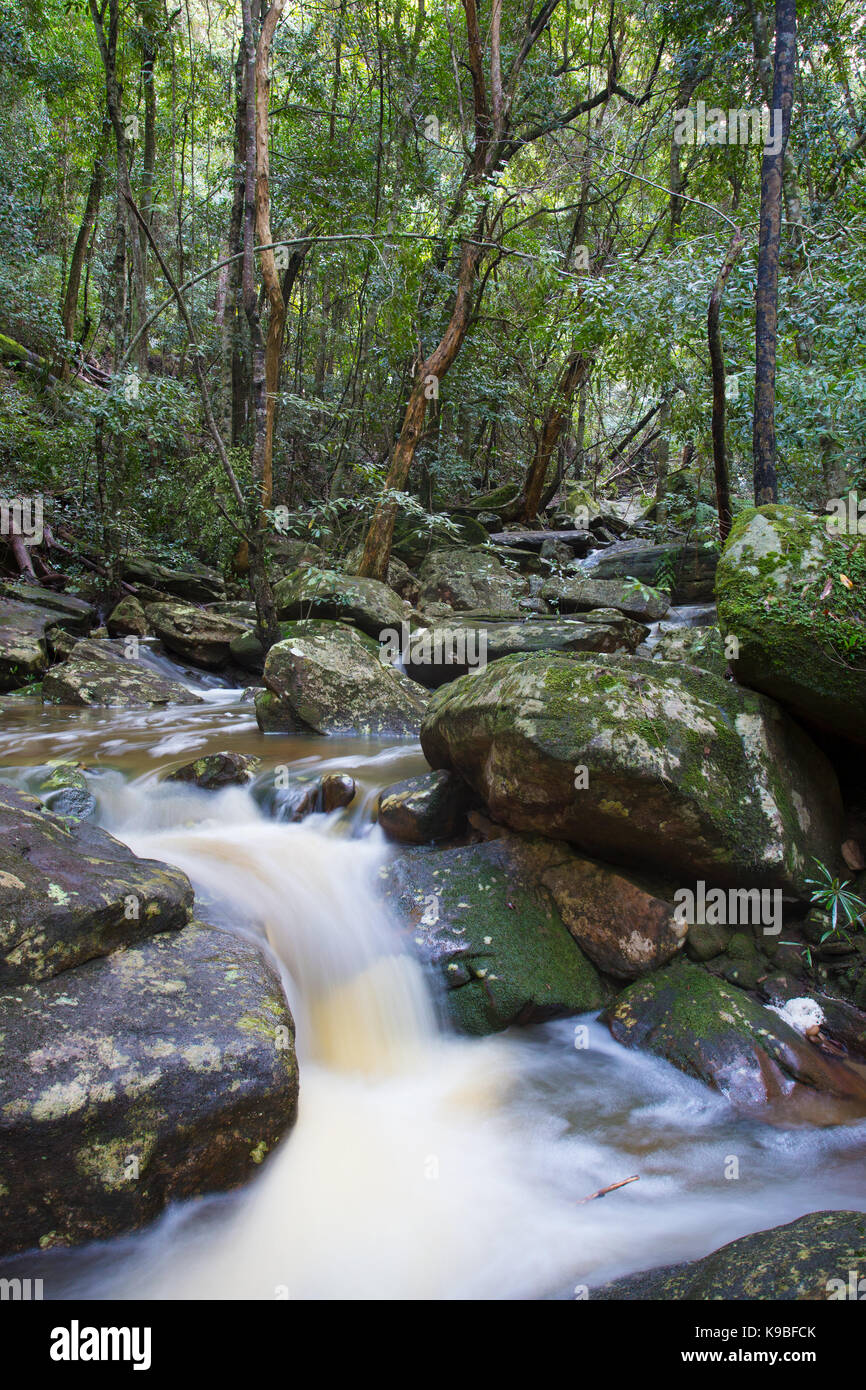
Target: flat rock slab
[
  {"x": 69, "y": 891},
  {"x": 74, "y": 614},
  {"x": 160, "y": 1072},
  {"x": 100, "y": 673},
  {"x": 578, "y": 542},
  {"x": 693, "y": 567}
]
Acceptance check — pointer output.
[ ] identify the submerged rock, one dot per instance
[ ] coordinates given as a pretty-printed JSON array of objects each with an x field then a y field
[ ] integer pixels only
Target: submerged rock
[
  {"x": 643, "y": 763},
  {"x": 158, "y": 1073},
  {"x": 69, "y": 891},
  {"x": 423, "y": 809},
  {"x": 217, "y": 770},
  {"x": 717, "y": 1033},
  {"x": 801, "y": 630},
  {"x": 65, "y": 792},
  {"x": 199, "y": 635},
  {"x": 481, "y": 918},
  {"x": 101, "y": 673},
  {"x": 809, "y": 1260},
  {"x": 328, "y": 678}
]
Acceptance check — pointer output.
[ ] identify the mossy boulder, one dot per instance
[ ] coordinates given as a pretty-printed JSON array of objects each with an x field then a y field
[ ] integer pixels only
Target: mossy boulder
[
  {"x": 643, "y": 763},
  {"x": 481, "y": 919},
  {"x": 23, "y": 643},
  {"x": 201, "y": 636},
  {"x": 68, "y": 611},
  {"x": 686, "y": 571},
  {"x": 423, "y": 809},
  {"x": 782, "y": 593},
  {"x": 327, "y": 678},
  {"x": 809, "y": 1260},
  {"x": 715, "y": 1032},
  {"x": 69, "y": 891},
  {"x": 456, "y": 580},
  {"x": 326, "y": 594},
  {"x": 161, "y": 1072},
  {"x": 128, "y": 619},
  {"x": 102, "y": 673}
]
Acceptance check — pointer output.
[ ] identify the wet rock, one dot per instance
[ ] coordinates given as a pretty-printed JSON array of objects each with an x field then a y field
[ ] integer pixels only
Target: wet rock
[
  {"x": 463, "y": 581},
  {"x": 328, "y": 678},
  {"x": 128, "y": 619},
  {"x": 809, "y": 1260},
  {"x": 645, "y": 763},
  {"x": 199, "y": 635},
  {"x": 65, "y": 792},
  {"x": 706, "y": 941},
  {"x": 797, "y": 643},
  {"x": 217, "y": 770},
  {"x": 481, "y": 919},
  {"x": 23, "y": 644},
  {"x": 70, "y": 891},
  {"x": 579, "y": 592},
  {"x": 195, "y": 584},
  {"x": 160, "y": 1072},
  {"x": 423, "y": 809},
  {"x": 367, "y": 603},
  {"x": 100, "y": 673},
  {"x": 717, "y": 1033}
]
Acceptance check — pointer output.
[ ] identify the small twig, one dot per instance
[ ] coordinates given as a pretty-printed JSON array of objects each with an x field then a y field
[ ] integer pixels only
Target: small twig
[{"x": 603, "y": 1191}]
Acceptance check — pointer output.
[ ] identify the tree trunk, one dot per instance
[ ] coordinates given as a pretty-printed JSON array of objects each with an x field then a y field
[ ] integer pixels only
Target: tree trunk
[
  {"x": 766, "y": 298},
  {"x": 717, "y": 363},
  {"x": 573, "y": 374},
  {"x": 73, "y": 284},
  {"x": 270, "y": 277}
]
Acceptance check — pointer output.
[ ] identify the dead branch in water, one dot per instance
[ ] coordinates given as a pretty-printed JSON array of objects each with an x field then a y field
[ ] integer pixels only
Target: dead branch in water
[{"x": 603, "y": 1191}]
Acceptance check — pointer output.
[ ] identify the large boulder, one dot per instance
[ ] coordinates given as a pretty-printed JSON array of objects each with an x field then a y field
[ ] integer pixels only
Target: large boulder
[
  {"x": 195, "y": 584},
  {"x": 482, "y": 920},
  {"x": 69, "y": 891},
  {"x": 689, "y": 569},
  {"x": 369, "y": 604},
  {"x": 782, "y": 593},
  {"x": 642, "y": 762},
  {"x": 579, "y": 593},
  {"x": 455, "y": 580},
  {"x": 447, "y": 650},
  {"x": 327, "y": 678},
  {"x": 719, "y": 1034},
  {"x": 101, "y": 673},
  {"x": 201, "y": 636},
  {"x": 160, "y": 1072},
  {"x": 809, "y": 1260},
  {"x": 128, "y": 618}
]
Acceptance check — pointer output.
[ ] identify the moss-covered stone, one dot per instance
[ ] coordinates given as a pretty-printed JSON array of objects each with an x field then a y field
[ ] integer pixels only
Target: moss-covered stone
[
  {"x": 101, "y": 673},
  {"x": 644, "y": 763},
  {"x": 423, "y": 809},
  {"x": 481, "y": 918},
  {"x": 201, "y": 636},
  {"x": 217, "y": 770},
  {"x": 809, "y": 1260},
  {"x": 69, "y": 891},
  {"x": 805, "y": 647},
  {"x": 456, "y": 580},
  {"x": 717, "y": 1033},
  {"x": 327, "y": 594},
  {"x": 160, "y": 1072}
]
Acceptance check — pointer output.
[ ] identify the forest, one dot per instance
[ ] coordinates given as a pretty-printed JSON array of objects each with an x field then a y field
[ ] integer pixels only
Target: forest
[{"x": 432, "y": 649}]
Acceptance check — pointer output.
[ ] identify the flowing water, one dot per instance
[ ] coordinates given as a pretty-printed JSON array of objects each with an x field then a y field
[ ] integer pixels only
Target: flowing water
[{"x": 422, "y": 1165}]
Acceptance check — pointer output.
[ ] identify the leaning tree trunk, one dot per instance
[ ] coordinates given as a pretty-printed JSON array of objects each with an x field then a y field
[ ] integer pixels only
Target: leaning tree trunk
[
  {"x": 717, "y": 363},
  {"x": 573, "y": 374},
  {"x": 73, "y": 284},
  {"x": 766, "y": 298}
]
